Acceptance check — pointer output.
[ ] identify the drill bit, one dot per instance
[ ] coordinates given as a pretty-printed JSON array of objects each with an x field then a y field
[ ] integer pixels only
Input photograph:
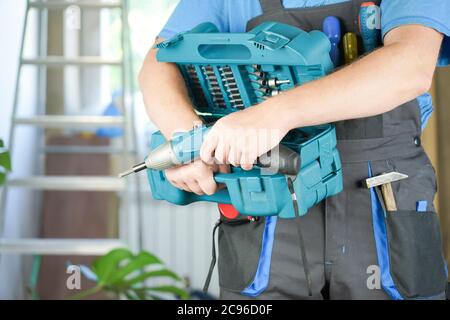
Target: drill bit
[
  {"x": 260, "y": 82},
  {"x": 257, "y": 75},
  {"x": 274, "y": 93},
  {"x": 135, "y": 169},
  {"x": 274, "y": 83},
  {"x": 230, "y": 85},
  {"x": 264, "y": 91}
]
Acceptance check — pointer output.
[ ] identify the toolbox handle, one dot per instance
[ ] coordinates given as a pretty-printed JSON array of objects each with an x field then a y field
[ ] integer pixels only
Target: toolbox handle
[
  {"x": 209, "y": 47},
  {"x": 224, "y": 51},
  {"x": 222, "y": 195}
]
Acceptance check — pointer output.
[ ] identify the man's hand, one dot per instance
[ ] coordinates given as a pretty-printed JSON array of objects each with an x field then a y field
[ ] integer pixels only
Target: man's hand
[
  {"x": 196, "y": 177},
  {"x": 241, "y": 137}
]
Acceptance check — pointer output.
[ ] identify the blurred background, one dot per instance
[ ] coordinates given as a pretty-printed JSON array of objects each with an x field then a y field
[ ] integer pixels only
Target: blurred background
[{"x": 73, "y": 118}]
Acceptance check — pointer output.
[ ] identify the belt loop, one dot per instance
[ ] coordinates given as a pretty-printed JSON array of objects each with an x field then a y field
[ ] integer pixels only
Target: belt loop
[{"x": 269, "y": 6}]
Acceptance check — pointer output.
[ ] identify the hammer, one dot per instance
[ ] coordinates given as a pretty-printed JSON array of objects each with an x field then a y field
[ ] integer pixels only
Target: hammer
[{"x": 385, "y": 181}]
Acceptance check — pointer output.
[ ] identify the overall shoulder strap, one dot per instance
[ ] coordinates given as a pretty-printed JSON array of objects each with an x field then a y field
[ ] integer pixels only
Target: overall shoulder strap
[
  {"x": 359, "y": 2},
  {"x": 271, "y": 5}
]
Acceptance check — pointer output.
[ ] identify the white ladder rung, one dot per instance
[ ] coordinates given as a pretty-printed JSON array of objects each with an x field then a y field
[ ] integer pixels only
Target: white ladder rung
[
  {"x": 82, "y": 4},
  {"x": 82, "y": 149},
  {"x": 80, "y": 61},
  {"x": 87, "y": 247},
  {"x": 69, "y": 183},
  {"x": 72, "y": 121}
]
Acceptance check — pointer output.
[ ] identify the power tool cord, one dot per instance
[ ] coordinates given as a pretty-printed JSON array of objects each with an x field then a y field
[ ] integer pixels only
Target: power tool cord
[
  {"x": 213, "y": 259},
  {"x": 300, "y": 237}
]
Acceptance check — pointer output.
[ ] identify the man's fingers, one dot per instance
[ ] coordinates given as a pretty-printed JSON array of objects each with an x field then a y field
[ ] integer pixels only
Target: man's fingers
[
  {"x": 208, "y": 185},
  {"x": 221, "y": 152},
  {"x": 208, "y": 147},
  {"x": 184, "y": 186},
  {"x": 248, "y": 159},
  {"x": 175, "y": 184},
  {"x": 194, "y": 186},
  {"x": 224, "y": 168},
  {"x": 245, "y": 161},
  {"x": 246, "y": 166},
  {"x": 234, "y": 157}
]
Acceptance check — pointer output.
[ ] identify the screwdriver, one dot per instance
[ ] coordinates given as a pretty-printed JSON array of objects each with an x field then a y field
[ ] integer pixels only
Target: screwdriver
[
  {"x": 369, "y": 21},
  {"x": 332, "y": 28},
  {"x": 350, "y": 42}
]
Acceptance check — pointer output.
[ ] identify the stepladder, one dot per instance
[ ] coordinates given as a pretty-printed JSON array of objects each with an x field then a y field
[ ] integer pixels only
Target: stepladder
[{"x": 67, "y": 121}]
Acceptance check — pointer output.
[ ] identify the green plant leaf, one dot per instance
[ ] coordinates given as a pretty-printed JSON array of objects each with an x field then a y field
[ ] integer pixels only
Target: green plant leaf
[
  {"x": 131, "y": 295},
  {"x": 86, "y": 293},
  {"x": 183, "y": 294},
  {"x": 115, "y": 272},
  {"x": 2, "y": 145},
  {"x": 2, "y": 178},
  {"x": 105, "y": 266},
  {"x": 135, "y": 263},
  {"x": 151, "y": 274},
  {"x": 140, "y": 294},
  {"x": 5, "y": 160}
]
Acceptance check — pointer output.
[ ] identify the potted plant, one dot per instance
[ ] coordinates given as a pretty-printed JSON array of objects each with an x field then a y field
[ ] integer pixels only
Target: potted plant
[{"x": 124, "y": 274}]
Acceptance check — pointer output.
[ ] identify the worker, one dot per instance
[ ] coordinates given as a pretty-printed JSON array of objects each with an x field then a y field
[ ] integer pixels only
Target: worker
[{"x": 380, "y": 106}]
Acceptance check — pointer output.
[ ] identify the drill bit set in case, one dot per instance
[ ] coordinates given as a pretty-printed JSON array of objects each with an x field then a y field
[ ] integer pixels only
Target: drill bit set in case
[{"x": 227, "y": 72}]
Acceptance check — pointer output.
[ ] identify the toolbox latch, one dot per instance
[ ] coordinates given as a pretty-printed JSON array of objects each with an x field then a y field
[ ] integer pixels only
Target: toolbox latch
[
  {"x": 270, "y": 40},
  {"x": 170, "y": 42}
]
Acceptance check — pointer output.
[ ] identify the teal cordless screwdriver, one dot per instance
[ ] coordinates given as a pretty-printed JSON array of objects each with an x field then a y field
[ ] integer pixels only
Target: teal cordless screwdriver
[{"x": 185, "y": 148}]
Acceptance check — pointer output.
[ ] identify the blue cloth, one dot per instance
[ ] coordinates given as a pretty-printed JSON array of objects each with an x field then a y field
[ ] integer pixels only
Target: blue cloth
[
  {"x": 261, "y": 280},
  {"x": 381, "y": 244},
  {"x": 233, "y": 15}
]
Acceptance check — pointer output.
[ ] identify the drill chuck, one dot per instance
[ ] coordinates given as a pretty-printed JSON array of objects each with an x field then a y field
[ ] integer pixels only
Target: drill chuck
[{"x": 162, "y": 158}]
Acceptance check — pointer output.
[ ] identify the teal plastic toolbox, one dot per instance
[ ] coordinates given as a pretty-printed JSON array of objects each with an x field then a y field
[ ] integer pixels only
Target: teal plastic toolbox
[{"x": 226, "y": 72}]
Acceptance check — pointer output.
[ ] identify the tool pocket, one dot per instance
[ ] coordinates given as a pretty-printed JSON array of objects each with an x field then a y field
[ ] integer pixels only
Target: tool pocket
[
  {"x": 408, "y": 241},
  {"x": 414, "y": 242},
  {"x": 245, "y": 251}
]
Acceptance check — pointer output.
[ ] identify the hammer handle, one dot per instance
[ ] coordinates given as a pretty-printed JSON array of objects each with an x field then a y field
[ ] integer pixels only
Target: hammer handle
[{"x": 388, "y": 195}]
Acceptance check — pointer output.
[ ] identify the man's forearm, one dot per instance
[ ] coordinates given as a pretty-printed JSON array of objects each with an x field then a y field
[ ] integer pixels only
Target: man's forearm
[
  {"x": 389, "y": 77},
  {"x": 165, "y": 96}
]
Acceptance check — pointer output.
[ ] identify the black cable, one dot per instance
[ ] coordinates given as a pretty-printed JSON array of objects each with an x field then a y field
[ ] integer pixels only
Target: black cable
[
  {"x": 300, "y": 238},
  {"x": 213, "y": 259}
]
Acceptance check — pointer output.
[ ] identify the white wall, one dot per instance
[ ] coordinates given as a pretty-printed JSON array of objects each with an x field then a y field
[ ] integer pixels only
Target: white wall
[{"x": 21, "y": 214}]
